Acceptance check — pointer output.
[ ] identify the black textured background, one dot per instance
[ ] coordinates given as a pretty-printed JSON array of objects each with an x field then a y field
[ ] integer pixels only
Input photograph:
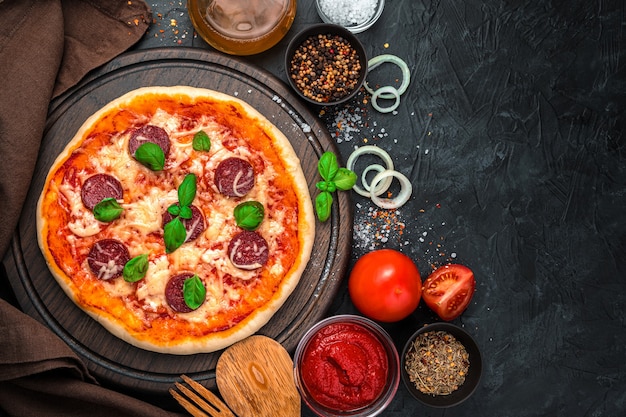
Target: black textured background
[{"x": 512, "y": 134}]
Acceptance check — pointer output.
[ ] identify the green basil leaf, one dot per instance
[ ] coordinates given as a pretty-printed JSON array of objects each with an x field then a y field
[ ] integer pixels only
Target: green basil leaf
[
  {"x": 322, "y": 185},
  {"x": 151, "y": 155},
  {"x": 107, "y": 210},
  {"x": 194, "y": 292},
  {"x": 326, "y": 186},
  {"x": 187, "y": 190},
  {"x": 345, "y": 179},
  {"x": 174, "y": 210},
  {"x": 201, "y": 141},
  {"x": 136, "y": 268},
  {"x": 174, "y": 235},
  {"x": 249, "y": 215},
  {"x": 185, "y": 212},
  {"x": 323, "y": 203},
  {"x": 328, "y": 166}
]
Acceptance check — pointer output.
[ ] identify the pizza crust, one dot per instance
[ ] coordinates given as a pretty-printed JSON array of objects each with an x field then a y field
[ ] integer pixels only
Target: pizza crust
[{"x": 124, "y": 326}]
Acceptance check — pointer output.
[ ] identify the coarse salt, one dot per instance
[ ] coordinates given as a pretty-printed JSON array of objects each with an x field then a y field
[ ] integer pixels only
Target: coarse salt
[{"x": 348, "y": 12}]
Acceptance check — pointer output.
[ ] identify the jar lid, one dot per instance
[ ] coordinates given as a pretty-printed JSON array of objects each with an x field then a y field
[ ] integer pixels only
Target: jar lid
[{"x": 245, "y": 19}]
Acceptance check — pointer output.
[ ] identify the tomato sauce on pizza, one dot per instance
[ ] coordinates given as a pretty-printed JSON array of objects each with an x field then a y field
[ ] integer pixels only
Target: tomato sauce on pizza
[{"x": 117, "y": 197}]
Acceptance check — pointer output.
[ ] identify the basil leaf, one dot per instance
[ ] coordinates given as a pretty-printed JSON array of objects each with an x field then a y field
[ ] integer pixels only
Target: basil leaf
[
  {"x": 174, "y": 235},
  {"x": 187, "y": 190},
  {"x": 345, "y": 179},
  {"x": 326, "y": 186},
  {"x": 107, "y": 210},
  {"x": 323, "y": 203},
  {"x": 174, "y": 210},
  {"x": 201, "y": 141},
  {"x": 194, "y": 292},
  {"x": 328, "y": 166},
  {"x": 322, "y": 185},
  {"x": 249, "y": 215},
  {"x": 151, "y": 155},
  {"x": 136, "y": 268},
  {"x": 185, "y": 212}
]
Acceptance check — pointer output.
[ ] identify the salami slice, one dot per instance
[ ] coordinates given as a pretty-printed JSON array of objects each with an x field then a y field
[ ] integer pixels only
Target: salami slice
[
  {"x": 174, "y": 292},
  {"x": 194, "y": 226},
  {"x": 98, "y": 187},
  {"x": 149, "y": 133},
  {"x": 107, "y": 258},
  {"x": 234, "y": 177},
  {"x": 248, "y": 250}
]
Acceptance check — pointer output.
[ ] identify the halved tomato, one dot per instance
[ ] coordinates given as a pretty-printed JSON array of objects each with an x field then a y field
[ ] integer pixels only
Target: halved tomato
[{"x": 448, "y": 290}]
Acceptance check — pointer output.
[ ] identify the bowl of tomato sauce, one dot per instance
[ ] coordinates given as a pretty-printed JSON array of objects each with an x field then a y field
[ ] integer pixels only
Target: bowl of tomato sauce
[{"x": 347, "y": 365}]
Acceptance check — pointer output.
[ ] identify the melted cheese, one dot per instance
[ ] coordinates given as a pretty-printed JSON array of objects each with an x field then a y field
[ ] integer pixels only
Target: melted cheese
[
  {"x": 146, "y": 199},
  {"x": 145, "y": 215},
  {"x": 151, "y": 289}
]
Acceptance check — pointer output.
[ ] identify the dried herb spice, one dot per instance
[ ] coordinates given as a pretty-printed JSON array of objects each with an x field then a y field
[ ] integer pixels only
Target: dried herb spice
[{"x": 437, "y": 363}]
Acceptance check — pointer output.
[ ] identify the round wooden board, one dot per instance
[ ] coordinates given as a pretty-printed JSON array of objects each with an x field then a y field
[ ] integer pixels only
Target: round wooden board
[{"x": 111, "y": 360}]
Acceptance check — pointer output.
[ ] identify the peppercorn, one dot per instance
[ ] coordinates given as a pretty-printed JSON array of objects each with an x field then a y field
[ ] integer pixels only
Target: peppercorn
[{"x": 325, "y": 68}]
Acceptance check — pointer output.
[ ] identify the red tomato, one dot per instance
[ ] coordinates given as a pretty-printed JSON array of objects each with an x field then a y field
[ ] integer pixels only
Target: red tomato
[
  {"x": 448, "y": 290},
  {"x": 385, "y": 285}
]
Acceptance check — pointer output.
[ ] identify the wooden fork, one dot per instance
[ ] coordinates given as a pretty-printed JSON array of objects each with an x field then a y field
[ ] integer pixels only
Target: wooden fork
[{"x": 213, "y": 405}]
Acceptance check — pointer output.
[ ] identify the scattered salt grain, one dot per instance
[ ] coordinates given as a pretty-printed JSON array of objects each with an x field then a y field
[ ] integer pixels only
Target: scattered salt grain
[
  {"x": 348, "y": 12},
  {"x": 374, "y": 228}
]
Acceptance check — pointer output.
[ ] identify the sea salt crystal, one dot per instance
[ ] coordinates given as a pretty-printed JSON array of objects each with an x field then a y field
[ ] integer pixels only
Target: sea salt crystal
[{"x": 348, "y": 12}]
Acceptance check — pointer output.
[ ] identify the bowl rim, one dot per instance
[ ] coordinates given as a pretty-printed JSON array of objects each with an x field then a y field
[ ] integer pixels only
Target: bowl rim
[
  {"x": 361, "y": 27},
  {"x": 393, "y": 357},
  {"x": 472, "y": 380},
  {"x": 320, "y": 28}
]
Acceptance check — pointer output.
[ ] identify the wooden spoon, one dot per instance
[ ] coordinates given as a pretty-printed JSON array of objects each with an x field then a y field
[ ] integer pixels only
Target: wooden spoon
[{"x": 255, "y": 378}]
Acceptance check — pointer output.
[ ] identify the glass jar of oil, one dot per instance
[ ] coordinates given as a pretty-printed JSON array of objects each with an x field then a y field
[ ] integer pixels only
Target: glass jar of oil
[{"x": 242, "y": 27}]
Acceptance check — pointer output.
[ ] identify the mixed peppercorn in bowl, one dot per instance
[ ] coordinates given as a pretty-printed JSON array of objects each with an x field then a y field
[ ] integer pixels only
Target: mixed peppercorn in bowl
[{"x": 326, "y": 64}]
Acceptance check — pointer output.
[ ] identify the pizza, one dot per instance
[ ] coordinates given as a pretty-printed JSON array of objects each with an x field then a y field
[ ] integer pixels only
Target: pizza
[{"x": 177, "y": 217}]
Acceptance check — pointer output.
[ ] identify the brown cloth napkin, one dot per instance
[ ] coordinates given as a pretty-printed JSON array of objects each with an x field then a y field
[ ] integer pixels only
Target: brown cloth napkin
[{"x": 47, "y": 46}]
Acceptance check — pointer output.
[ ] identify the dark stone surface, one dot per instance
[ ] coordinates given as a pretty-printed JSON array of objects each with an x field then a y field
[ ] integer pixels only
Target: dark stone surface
[{"x": 511, "y": 132}]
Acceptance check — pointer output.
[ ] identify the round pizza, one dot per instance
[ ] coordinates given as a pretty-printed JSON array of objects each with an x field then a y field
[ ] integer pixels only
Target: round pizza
[{"x": 177, "y": 217}]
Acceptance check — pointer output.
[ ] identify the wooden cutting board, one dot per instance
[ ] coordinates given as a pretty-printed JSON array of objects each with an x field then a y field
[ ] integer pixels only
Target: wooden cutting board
[
  {"x": 114, "y": 362},
  {"x": 255, "y": 378}
]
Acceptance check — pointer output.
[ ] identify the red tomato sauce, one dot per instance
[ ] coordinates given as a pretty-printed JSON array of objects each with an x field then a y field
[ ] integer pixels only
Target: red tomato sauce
[{"x": 345, "y": 367}]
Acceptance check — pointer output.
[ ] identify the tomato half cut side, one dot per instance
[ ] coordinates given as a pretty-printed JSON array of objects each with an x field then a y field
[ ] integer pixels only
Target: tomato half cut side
[{"x": 449, "y": 290}]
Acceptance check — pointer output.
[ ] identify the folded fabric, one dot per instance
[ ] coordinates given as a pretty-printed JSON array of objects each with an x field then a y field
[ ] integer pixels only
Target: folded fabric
[
  {"x": 41, "y": 376},
  {"x": 46, "y": 47}
]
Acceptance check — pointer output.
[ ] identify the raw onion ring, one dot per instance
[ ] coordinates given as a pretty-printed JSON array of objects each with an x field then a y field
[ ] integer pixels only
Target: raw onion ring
[
  {"x": 406, "y": 74},
  {"x": 406, "y": 189},
  {"x": 375, "y": 150},
  {"x": 374, "y": 167},
  {"x": 379, "y": 93}
]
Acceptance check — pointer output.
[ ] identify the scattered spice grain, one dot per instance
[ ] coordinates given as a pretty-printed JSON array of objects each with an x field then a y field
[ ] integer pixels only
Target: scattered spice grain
[
  {"x": 348, "y": 12},
  {"x": 325, "y": 68},
  {"x": 437, "y": 363}
]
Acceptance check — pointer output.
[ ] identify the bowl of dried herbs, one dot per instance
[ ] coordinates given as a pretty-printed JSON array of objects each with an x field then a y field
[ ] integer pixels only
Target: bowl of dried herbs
[{"x": 441, "y": 365}]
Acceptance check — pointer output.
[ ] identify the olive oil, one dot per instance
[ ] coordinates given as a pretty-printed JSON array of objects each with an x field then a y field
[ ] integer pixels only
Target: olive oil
[{"x": 242, "y": 27}]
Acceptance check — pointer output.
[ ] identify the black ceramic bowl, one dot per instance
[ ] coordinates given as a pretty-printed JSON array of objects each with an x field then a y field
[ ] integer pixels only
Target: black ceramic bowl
[
  {"x": 344, "y": 91},
  {"x": 471, "y": 379}
]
